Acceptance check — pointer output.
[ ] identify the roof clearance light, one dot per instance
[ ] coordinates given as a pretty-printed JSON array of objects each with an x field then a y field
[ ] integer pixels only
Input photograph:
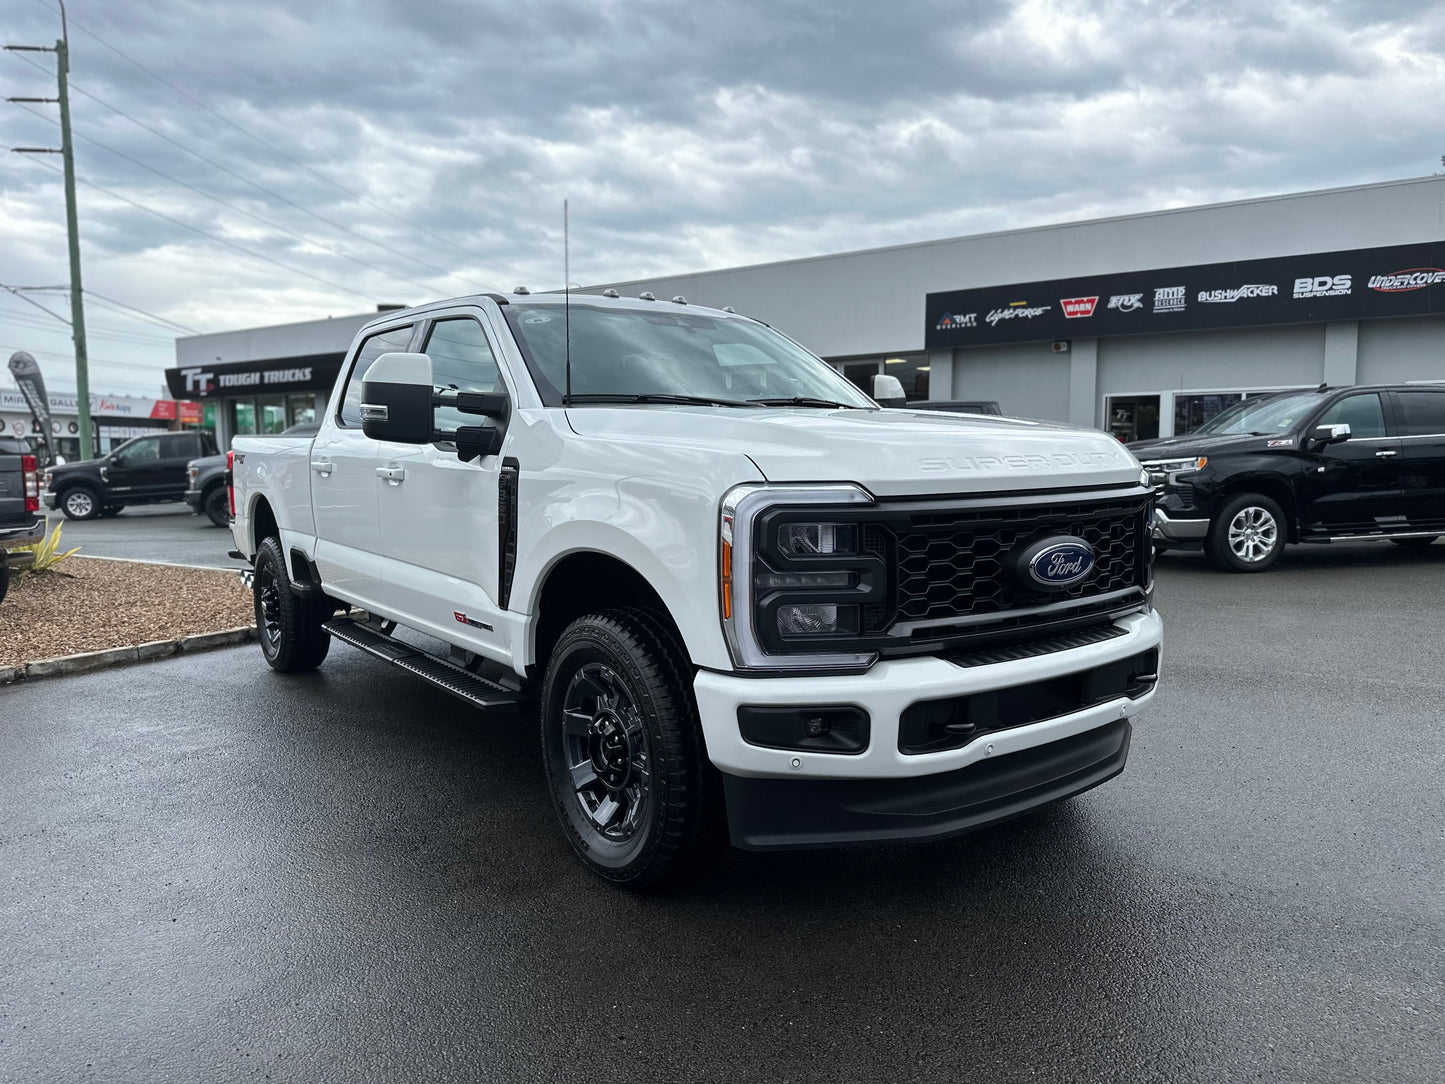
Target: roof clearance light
[
  {"x": 609, "y": 292},
  {"x": 646, "y": 295},
  {"x": 521, "y": 291}
]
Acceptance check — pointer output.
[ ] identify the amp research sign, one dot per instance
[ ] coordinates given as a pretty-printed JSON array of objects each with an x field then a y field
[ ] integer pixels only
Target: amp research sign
[
  {"x": 1367, "y": 283},
  {"x": 245, "y": 378}
]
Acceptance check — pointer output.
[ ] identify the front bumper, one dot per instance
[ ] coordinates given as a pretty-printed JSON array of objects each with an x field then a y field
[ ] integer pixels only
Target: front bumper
[
  {"x": 193, "y": 498},
  {"x": 936, "y": 781},
  {"x": 48, "y": 498},
  {"x": 1178, "y": 531}
]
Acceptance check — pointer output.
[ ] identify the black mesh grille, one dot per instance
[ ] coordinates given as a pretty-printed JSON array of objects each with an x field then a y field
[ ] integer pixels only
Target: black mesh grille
[{"x": 951, "y": 564}]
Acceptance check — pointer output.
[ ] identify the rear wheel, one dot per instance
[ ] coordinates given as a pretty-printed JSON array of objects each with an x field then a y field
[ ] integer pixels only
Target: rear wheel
[
  {"x": 1415, "y": 543},
  {"x": 80, "y": 502},
  {"x": 217, "y": 506},
  {"x": 1247, "y": 535},
  {"x": 626, "y": 765},
  {"x": 288, "y": 626}
]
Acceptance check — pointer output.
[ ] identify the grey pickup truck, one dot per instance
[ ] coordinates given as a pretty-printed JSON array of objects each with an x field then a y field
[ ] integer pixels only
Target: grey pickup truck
[{"x": 19, "y": 503}]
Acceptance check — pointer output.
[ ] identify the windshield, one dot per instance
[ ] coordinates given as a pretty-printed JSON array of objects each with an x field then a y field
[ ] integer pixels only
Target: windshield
[
  {"x": 640, "y": 355},
  {"x": 1276, "y": 414}
]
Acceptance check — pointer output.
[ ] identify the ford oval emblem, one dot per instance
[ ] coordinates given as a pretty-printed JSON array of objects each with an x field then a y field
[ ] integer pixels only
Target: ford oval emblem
[{"x": 1052, "y": 564}]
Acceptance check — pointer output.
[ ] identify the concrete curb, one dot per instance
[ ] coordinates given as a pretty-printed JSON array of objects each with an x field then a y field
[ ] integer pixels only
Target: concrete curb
[{"x": 120, "y": 656}]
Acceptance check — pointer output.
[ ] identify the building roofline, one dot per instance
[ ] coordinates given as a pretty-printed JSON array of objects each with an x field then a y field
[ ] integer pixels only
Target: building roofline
[{"x": 1312, "y": 193}]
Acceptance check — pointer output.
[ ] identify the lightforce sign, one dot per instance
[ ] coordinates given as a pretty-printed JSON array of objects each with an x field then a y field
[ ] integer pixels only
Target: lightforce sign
[
  {"x": 1399, "y": 280},
  {"x": 316, "y": 373}
]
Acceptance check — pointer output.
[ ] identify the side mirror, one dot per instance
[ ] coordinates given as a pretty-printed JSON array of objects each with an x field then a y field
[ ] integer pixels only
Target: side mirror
[
  {"x": 888, "y": 390},
  {"x": 396, "y": 399},
  {"x": 1330, "y": 434}
]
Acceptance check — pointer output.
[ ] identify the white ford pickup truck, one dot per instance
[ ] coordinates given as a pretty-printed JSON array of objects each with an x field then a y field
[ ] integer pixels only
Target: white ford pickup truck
[{"x": 748, "y": 602}]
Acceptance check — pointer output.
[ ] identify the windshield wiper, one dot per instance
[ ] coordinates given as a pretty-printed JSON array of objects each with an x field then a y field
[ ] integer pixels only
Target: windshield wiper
[
  {"x": 652, "y": 397},
  {"x": 806, "y": 400}
]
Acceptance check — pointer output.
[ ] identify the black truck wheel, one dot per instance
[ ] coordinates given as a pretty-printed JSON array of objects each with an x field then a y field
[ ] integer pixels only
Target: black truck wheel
[
  {"x": 1247, "y": 535},
  {"x": 626, "y": 764},
  {"x": 288, "y": 626},
  {"x": 80, "y": 502},
  {"x": 217, "y": 506}
]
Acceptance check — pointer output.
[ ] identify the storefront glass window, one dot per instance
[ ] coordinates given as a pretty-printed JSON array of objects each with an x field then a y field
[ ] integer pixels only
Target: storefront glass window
[
  {"x": 243, "y": 420},
  {"x": 272, "y": 413},
  {"x": 1134, "y": 417},
  {"x": 861, "y": 374},
  {"x": 300, "y": 409},
  {"x": 1192, "y": 411},
  {"x": 912, "y": 372}
]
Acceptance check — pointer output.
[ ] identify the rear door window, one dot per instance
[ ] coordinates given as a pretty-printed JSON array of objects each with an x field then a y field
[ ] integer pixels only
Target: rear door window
[
  {"x": 393, "y": 340},
  {"x": 1422, "y": 413}
]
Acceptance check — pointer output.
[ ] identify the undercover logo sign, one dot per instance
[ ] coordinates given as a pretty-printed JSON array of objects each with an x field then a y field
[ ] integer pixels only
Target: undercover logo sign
[{"x": 1399, "y": 282}]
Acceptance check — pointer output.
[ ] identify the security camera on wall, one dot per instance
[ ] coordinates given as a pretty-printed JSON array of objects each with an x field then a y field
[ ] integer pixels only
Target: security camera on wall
[{"x": 1060, "y": 347}]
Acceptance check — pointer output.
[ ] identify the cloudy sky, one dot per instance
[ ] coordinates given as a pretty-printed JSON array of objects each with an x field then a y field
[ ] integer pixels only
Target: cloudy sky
[{"x": 256, "y": 163}]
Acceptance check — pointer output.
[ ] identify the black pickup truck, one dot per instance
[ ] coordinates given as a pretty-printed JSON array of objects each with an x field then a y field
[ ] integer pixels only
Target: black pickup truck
[
  {"x": 146, "y": 470},
  {"x": 1327, "y": 465},
  {"x": 19, "y": 503}
]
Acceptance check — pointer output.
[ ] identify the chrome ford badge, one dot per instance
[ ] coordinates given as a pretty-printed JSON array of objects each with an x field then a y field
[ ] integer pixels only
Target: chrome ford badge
[{"x": 1052, "y": 564}]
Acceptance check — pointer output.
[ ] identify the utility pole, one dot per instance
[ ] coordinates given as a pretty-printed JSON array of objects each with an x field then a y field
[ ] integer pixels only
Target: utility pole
[{"x": 67, "y": 154}]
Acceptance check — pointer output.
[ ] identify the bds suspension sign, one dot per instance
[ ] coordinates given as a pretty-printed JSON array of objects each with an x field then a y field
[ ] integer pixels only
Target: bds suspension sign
[{"x": 1365, "y": 283}]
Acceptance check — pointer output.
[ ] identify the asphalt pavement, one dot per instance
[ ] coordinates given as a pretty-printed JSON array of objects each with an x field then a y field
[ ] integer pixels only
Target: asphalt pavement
[
  {"x": 212, "y": 873},
  {"x": 161, "y": 532}
]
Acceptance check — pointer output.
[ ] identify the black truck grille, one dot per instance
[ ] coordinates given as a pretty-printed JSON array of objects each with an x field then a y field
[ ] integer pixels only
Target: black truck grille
[{"x": 952, "y": 564}]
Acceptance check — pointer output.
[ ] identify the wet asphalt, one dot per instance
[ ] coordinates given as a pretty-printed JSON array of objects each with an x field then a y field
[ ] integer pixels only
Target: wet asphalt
[
  {"x": 212, "y": 873},
  {"x": 160, "y": 532}
]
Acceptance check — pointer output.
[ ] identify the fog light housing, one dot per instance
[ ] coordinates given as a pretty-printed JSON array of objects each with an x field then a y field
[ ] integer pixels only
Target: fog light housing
[
  {"x": 817, "y": 619},
  {"x": 838, "y": 729}
]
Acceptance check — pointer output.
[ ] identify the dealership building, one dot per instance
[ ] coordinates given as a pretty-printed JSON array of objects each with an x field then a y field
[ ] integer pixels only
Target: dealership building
[{"x": 1143, "y": 325}]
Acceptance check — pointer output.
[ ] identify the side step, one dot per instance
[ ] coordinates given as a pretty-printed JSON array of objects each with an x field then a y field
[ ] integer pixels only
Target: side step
[{"x": 440, "y": 672}]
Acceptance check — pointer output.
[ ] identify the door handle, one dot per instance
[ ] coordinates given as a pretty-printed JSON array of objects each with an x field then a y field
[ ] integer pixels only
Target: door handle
[
  {"x": 393, "y": 475},
  {"x": 322, "y": 467},
  {"x": 1385, "y": 454}
]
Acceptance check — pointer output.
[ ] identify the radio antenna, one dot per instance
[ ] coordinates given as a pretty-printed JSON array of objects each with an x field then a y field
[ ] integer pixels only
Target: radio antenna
[{"x": 567, "y": 304}]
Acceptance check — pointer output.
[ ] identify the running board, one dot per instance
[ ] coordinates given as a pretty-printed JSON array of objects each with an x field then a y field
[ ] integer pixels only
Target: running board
[
  {"x": 1325, "y": 539},
  {"x": 440, "y": 672}
]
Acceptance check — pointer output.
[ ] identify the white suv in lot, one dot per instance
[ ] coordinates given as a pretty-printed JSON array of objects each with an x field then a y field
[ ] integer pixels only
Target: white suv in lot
[{"x": 748, "y": 603}]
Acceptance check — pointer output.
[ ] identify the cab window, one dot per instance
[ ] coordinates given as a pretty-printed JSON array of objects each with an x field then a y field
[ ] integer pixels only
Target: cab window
[
  {"x": 139, "y": 453},
  {"x": 1362, "y": 413},
  {"x": 1422, "y": 413},
  {"x": 393, "y": 340},
  {"x": 462, "y": 360}
]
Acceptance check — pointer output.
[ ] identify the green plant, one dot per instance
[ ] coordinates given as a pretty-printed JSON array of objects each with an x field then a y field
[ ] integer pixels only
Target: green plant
[{"x": 45, "y": 551}]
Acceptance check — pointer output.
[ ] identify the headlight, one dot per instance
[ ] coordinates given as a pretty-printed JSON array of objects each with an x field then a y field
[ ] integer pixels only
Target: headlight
[
  {"x": 1162, "y": 471},
  {"x": 793, "y": 579},
  {"x": 193, "y": 471},
  {"x": 47, "y": 478}
]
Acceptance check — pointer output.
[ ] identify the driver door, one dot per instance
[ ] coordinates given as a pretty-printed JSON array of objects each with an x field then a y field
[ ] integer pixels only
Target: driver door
[
  {"x": 438, "y": 515},
  {"x": 1354, "y": 487},
  {"x": 137, "y": 471}
]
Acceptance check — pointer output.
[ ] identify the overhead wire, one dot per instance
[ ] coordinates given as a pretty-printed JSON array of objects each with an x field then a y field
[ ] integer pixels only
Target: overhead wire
[
  {"x": 240, "y": 210},
  {"x": 38, "y": 305},
  {"x": 270, "y": 146},
  {"x": 207, "y": 234},
  {"x": 143, "y": 315}
]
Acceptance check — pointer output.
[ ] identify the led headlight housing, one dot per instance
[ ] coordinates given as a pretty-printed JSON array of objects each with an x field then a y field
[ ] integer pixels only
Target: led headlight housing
[
  {"x": 794, "y": 576},
  {"x": 1161, "y": 472}
]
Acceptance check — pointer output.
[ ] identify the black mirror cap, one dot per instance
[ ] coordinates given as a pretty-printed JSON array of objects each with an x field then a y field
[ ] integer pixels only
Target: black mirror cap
[
  {"x": 476, "y": 442},
  {"x": 396, "y": 412},
  {"x": 484, "y": 404}
]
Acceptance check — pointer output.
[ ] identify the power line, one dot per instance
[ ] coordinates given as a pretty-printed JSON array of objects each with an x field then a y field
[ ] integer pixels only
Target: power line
[
  {"x": 212, "y": 236},
  {"x": 146, "y": 317},
  {"x": 37, "y": 304},
  {"x": 98, "y": 331},
  {"x": 272, "y": 148},
  {"x": 242, "y": 211},
  {"x": 99, "y": 361},
  {"x": 121, "y": 304}
]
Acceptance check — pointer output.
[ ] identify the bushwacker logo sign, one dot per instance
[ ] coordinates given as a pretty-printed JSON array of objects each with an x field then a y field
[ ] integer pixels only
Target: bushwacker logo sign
[
  {"x": 1416, "y": 278},
  {"x": 1238, "y": 292},
  {"x": 1076, "y": 307},
  {"x": 1307, "y": 288}
]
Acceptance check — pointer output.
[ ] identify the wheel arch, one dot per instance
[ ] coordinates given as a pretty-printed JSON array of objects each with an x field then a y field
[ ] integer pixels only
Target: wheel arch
[
  {"x": 1272, "y": 486},
  {"x": 589, "y": 581},
  {"x": 262, "y": 522}
]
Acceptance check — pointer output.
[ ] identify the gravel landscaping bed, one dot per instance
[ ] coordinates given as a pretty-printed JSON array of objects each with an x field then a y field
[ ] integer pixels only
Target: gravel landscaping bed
[{"x": 96, "y": 604}]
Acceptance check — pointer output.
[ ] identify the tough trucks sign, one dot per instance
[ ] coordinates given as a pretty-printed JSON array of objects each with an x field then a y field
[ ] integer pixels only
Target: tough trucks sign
[
  {"x": 1367, "y": 283},
  {"x": 245, "y": 378}
]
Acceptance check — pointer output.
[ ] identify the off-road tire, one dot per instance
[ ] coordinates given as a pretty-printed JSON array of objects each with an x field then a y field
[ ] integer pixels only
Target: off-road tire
[
  {"x": 680, "y": 827},
  {"x": 217, "y": 506},
  {"x": 288, "y": 627},
  {"x": 85, "y": 500},
  {"x": 1415, "y": 543},
  {"x": 1230, "y": 547}
]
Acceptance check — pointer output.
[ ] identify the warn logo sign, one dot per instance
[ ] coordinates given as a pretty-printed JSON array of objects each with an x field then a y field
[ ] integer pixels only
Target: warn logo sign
[{"x": 1075, "y": 307}]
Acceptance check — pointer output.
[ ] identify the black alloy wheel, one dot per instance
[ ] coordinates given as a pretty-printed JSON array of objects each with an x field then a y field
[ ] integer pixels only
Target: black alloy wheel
[
  {"x": 626, "y": 764},
  {"x": 288, "y": 627},
  {"x": 80, "y": 502},
  {"x": 217, "y": 506}
]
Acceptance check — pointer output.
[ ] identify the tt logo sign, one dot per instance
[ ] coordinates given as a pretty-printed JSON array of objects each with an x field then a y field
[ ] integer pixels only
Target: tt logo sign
[{"x": 198, "y": 380}]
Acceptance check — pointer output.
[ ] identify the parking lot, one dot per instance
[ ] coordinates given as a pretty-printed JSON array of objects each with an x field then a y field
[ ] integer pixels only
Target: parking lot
[{"x": 209, "y": 872}]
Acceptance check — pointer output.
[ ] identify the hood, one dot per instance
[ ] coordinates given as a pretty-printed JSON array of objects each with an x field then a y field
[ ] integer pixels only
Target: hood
[
  {"x": 78, "y": 465},
  {"x": 889, "y": 452},
  {"x": 1206, "y": 444}
]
